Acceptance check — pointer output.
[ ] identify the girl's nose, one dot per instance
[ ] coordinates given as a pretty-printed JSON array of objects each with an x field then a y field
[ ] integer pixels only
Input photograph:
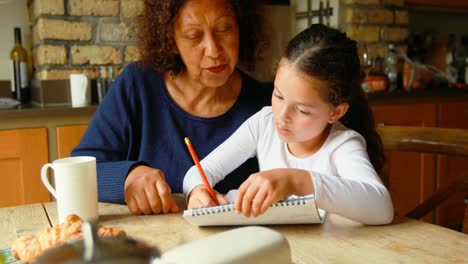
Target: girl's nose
[{"x": 284, "y": 113}]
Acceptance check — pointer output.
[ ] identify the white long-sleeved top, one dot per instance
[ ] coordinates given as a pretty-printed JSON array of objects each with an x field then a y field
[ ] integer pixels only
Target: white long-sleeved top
[{"x": 345, "y": 181}]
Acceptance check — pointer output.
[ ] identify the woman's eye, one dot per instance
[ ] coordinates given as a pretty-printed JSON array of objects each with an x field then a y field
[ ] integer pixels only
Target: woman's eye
[
  {"x": 223, "y": 28},
  {"x": 193, "y": 35}
]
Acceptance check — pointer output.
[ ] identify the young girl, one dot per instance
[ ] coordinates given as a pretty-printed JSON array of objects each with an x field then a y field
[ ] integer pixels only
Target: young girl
[{"x": 318, "y": 137}]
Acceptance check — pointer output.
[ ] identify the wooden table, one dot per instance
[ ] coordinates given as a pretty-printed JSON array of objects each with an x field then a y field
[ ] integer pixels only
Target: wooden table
[{"x": 338, "y": 240}]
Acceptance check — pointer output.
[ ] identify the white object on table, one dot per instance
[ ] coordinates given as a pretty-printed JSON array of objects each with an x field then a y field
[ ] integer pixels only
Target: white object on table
[
  {"x": 75, "y": 186},
  {"x": 246, "y": 245},
  {"x": 80, "y": 90}
]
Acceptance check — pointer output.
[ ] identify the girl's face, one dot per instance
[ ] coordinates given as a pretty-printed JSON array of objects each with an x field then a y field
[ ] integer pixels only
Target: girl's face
[
  {"x": 206, "y": 34},
  {"x": 301, "y": 115}
]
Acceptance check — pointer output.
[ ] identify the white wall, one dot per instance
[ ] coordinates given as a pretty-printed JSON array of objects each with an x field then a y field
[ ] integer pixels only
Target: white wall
[{"x": 13, "y": 13}]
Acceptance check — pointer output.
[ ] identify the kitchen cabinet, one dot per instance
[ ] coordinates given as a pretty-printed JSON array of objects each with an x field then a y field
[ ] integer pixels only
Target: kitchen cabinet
[
  {"x": 413, "y": 177},
  {"x": 68, "y": 137},
  {"x": 408, "y": 176},
  {"x": 22, "y": 154},
  {"x": 449, "y": 168}
]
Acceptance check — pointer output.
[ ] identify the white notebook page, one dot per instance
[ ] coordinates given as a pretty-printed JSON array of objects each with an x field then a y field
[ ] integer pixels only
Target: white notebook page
[{"x": 293, "y": 210}]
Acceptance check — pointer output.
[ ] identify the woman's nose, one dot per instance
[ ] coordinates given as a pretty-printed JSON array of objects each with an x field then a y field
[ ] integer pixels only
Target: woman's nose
[{"x": 212, "y": 47}]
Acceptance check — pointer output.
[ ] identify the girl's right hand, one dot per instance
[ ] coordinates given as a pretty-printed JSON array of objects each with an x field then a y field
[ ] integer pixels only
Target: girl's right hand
[
  {"x": 199, "y": 197},
  {"x": 147, "y": 192}
]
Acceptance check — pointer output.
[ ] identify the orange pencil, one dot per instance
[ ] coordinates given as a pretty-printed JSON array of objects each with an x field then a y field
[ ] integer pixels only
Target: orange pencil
[{"x": 200, "y": 170}]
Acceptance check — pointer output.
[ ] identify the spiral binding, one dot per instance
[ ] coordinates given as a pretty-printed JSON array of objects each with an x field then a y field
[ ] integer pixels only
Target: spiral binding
[
  {"x": 213, "y": 210},
  {"x": 230, "y": 207}
]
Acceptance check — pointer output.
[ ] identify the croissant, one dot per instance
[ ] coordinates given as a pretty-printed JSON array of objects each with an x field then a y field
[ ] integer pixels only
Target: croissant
[{"x": 28, "y": 247}]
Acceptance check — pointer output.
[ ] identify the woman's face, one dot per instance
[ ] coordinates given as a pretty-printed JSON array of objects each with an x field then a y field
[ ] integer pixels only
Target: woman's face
[
  {"x": 300, "y": 113},
  {"x": 207, "y": 38}
]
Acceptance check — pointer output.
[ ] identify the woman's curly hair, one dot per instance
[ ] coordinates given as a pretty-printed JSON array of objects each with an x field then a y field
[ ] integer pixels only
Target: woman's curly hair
[{"x": 156, "y": 34}]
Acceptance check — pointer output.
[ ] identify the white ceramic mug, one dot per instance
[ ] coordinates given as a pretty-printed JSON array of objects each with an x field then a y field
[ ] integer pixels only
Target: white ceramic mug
[
  {"x": 80, "y": 91},
  {"x": 75, "y": 186}
]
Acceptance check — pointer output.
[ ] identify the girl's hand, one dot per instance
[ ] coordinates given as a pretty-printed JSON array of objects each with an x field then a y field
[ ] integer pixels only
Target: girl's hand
[
  {"x": 265, "y": 188},
  {"x": 147, "y": 192},
  {"x": 200, "y": 197}
]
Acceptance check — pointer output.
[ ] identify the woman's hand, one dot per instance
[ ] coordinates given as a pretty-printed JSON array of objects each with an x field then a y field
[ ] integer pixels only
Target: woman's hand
[
  {"x": 200, "y": 197},
  {"x": 146, "y": 192},
  {"x": 265, "y": 188}
]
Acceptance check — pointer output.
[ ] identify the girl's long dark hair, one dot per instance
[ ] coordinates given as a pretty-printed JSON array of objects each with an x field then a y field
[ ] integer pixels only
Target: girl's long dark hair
[{"x": 329, "y": 55}]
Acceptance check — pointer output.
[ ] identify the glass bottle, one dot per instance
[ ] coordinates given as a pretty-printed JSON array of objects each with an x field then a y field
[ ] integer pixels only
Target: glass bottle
[
  {"x": 391, "y": 68},
  {"x": 20, "y": 86}
]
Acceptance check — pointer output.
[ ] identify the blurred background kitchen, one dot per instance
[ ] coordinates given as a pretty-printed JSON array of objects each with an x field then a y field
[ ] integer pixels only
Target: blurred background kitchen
[
  {"x": 414, "y": 69},
  {"x": 78, "y": 36}
]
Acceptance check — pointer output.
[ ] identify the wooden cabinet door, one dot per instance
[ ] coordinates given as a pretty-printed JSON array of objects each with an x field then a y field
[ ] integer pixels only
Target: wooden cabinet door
[
  {"x": 22, "y": 154},
  {"x": 451, "y": 212},
  {"x": 68, "y": 137},
  {"x": 408, "y": 176}
]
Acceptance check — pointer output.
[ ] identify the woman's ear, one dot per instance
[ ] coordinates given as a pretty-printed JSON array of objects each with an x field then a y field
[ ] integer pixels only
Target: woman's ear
[
  {"x": 338, "y": 112},
  {"x": 175, "y": 50}
]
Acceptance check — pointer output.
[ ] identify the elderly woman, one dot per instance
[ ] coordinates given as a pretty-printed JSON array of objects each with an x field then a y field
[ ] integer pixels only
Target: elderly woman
[{"x": 186, "y": 85}]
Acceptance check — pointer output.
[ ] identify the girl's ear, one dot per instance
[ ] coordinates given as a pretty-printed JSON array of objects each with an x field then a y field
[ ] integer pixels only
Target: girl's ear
[{"x": 338, "y": 112}]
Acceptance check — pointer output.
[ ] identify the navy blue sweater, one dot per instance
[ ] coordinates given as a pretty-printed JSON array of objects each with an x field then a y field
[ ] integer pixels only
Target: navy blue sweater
[{"x": 139, "y": 123}]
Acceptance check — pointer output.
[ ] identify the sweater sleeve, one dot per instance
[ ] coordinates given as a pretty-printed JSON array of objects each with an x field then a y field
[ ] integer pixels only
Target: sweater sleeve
[
  {"x": 357, "y": 193},
  {"x": 108, "y": 138},
  {"x": 239, "y": 147}
]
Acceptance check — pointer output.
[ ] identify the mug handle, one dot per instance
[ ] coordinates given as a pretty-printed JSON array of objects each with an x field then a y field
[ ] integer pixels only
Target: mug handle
[{"x": 45, "y": 179}]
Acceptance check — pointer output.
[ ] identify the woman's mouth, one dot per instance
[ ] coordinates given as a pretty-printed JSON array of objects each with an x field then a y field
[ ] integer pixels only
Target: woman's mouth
[{"x": 217, "y": 69}]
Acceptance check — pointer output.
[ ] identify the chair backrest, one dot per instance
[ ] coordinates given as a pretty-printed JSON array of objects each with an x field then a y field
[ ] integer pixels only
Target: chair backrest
[{"x": 447, "y": 141}]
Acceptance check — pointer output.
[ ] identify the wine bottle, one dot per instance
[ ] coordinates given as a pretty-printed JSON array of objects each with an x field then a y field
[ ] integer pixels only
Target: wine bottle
[{"x": 20, "y": 86}]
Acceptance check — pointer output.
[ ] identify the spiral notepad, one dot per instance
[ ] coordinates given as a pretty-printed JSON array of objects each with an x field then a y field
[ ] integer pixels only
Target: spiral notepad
[{"x": 294, "y": 210}]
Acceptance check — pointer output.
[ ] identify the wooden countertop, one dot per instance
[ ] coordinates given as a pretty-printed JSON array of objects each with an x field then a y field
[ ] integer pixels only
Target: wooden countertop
[
  {"x": 417, "y": 96},
  {"x": 33, "y": 111},
  {"x": 337, "y": 240}
]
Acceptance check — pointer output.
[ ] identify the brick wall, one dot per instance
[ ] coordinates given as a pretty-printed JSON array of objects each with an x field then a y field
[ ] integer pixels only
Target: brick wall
[
  {"x": 72, "y": 36},
  {"x": 376, "y": 23},
  {"x": 78, "y": 36}
]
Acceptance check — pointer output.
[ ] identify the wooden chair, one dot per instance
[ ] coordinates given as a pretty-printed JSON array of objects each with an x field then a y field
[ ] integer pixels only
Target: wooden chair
[{"x": 430, "y": 140}]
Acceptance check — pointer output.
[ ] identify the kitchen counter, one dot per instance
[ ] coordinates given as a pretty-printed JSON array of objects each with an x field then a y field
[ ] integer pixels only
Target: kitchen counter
[
  {"x": 34, "y": 111},
  {"x": 66, "y": 111},
  {"x": 54, "y": 122},
  {"x": 50, "y": 117}
]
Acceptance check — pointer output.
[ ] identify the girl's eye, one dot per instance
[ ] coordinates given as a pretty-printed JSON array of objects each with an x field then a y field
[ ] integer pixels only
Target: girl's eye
[
  {"x": 302, "y": 111},
  {"x": 278, "y": 96}
]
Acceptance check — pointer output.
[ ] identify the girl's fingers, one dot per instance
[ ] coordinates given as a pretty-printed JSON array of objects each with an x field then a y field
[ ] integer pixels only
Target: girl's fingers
[
  {"x": 266, "y": 204},
  {"x": 221, "y": 199},
  {"x": 194, "y": 203},
  {"x": 240, "y": 195},
  {"x": 248, "y": 198},
  {"x": 258, "y": 201}
]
